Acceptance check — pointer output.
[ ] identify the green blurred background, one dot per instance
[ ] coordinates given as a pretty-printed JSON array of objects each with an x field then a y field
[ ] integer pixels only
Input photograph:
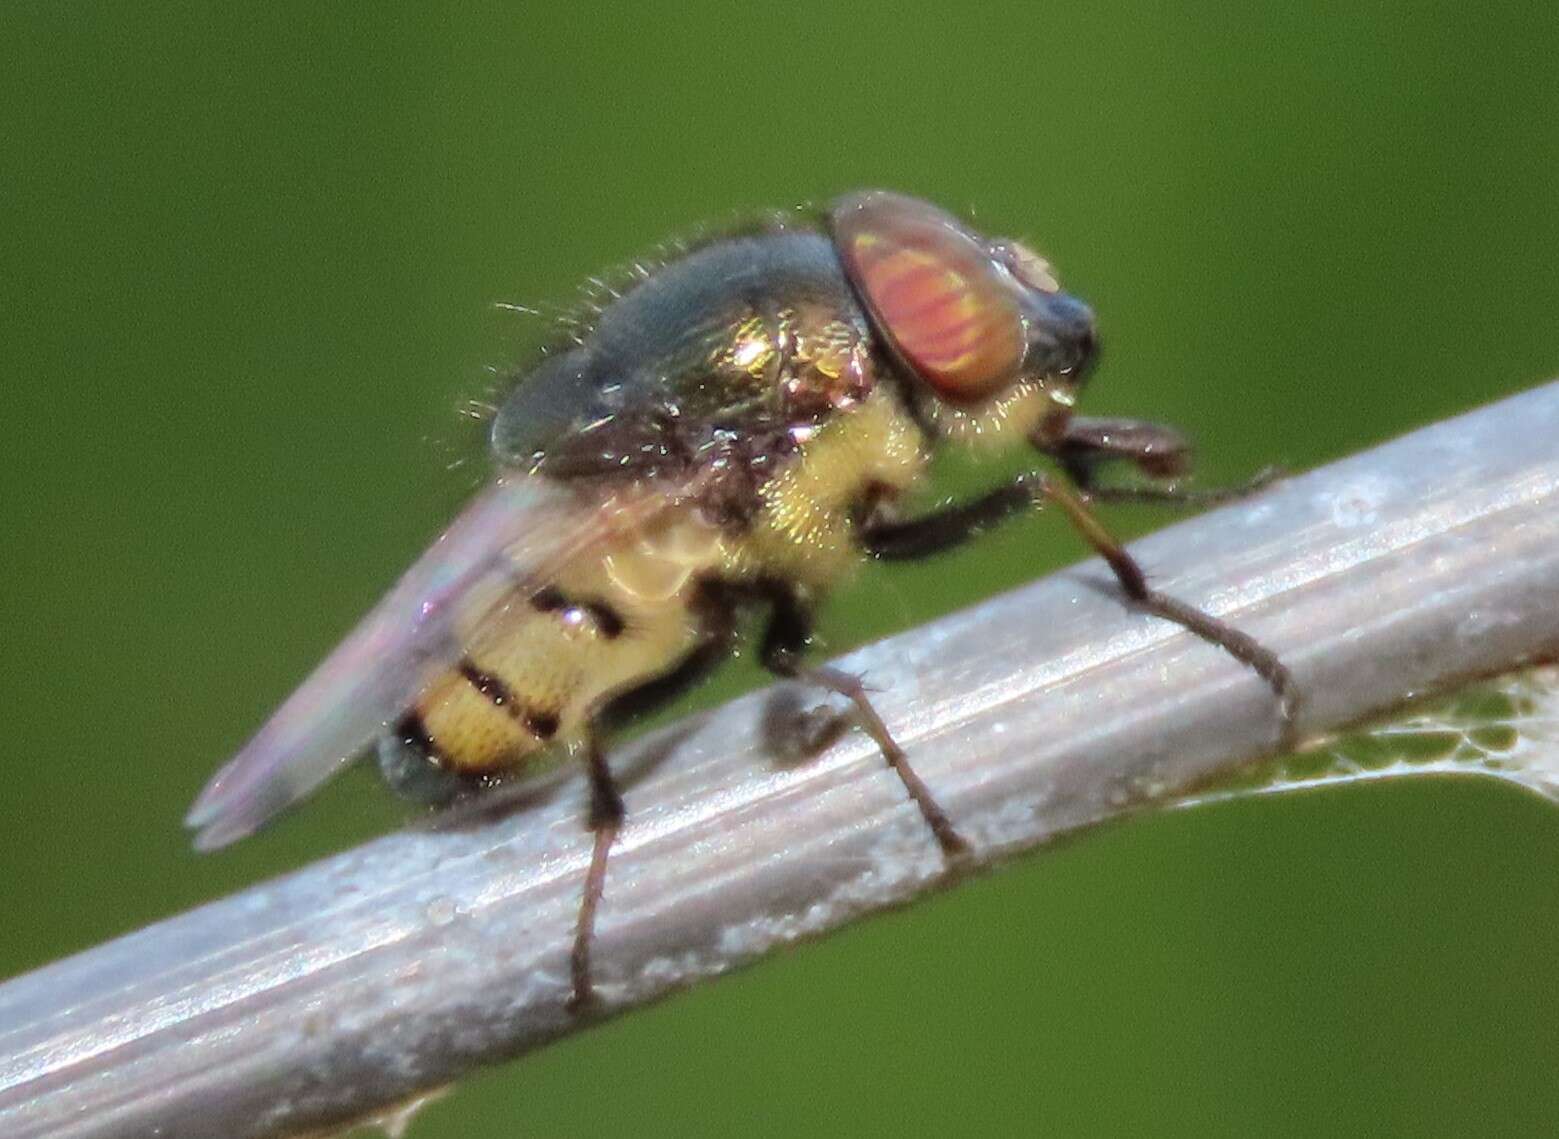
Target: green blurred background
[{"x": 249, "y": 256}]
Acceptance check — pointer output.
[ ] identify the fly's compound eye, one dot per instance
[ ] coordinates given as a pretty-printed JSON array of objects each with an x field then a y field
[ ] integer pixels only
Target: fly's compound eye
[{"x": 936, "y": 294}]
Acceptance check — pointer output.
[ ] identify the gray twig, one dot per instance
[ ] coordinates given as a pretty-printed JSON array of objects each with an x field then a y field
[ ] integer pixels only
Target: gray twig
[{"x": 400, "y": 965}]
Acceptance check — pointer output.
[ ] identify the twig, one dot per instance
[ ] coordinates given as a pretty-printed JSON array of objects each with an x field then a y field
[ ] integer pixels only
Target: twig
[{"x": 400, "y": 965}]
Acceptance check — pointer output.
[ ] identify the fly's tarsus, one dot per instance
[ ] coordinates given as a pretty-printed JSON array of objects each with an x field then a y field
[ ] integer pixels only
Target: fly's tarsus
[
  {"x": 1243, "y": 648},
  {"x": 1190, "y": 498}
]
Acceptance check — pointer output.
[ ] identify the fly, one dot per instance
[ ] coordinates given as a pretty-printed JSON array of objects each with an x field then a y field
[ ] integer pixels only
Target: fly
[{"x": 734, "y": 431}]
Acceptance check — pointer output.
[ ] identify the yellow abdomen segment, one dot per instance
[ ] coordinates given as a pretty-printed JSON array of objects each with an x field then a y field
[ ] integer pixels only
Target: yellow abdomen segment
[{"x": 540, "y": 667}]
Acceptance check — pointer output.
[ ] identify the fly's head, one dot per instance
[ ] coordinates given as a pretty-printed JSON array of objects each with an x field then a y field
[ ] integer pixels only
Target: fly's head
[{"x": 990, "y": 345}]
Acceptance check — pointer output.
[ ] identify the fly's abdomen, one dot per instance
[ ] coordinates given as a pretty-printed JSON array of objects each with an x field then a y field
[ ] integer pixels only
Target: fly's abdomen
[{"x": 535, "y": 672}]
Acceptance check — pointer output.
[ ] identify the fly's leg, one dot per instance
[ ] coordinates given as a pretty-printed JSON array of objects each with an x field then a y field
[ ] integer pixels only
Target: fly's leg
[
  {"x": 716, "y": 613},
  {"x": 954, "y": 845},
  {"x": 942, "y": 529},
  {"x": 785, "y": 642},
  {"x": 606, "y": 819},
  {"x": 1085, "y": 443},
  {"x": 1155, "y": 449}
]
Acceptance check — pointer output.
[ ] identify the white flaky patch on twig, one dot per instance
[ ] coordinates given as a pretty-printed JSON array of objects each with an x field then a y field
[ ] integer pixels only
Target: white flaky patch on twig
[{"x": 1506, "y": 729}]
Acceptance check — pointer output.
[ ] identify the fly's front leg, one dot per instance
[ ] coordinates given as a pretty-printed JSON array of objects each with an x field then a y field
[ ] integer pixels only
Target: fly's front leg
[
  {"x": 785, "y": 642},
  {"x": 951, "y": 525},
  {"x": 1085, "y": 444},
  {"x": 606, "y": 819}
]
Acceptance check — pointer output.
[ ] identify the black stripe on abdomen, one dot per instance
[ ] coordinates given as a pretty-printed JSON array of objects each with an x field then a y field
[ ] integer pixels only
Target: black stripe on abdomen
[
  {"x": 489, "y": 685},
  {"x": 414, "y": 734},
  {"x": 607, "y": 621},
  {"x": 542, "y": 725}
]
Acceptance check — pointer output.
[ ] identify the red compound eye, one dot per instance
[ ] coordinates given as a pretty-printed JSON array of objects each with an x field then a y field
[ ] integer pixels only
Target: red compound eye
[{"x": 933, "y": 291}]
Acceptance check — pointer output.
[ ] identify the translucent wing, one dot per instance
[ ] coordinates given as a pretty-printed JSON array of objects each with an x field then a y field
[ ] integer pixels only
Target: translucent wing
[{"x": 509, "y": 538}]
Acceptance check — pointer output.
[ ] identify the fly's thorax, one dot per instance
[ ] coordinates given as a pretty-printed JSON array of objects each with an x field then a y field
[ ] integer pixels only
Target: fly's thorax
[
  {"x": 827, "y": 366},
  {"x": 797, "y": 357},
  {"x": 805, "y": 530},
  {"x": 754, "y": 325}
]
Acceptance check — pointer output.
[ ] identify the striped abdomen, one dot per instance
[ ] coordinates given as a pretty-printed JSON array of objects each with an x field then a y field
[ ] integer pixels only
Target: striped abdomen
[{"x": 534, "y": 672}]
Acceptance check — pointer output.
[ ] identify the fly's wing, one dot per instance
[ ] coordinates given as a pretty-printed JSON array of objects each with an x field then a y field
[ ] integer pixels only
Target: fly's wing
[{"x": 509, "y": 538}]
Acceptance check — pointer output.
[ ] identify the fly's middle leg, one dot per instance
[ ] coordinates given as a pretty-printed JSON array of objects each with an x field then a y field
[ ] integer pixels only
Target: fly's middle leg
[{"x": 784, "y": 644}]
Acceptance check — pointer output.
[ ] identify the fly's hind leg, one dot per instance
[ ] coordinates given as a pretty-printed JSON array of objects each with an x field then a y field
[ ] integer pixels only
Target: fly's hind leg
[
  {"x": 606, "y": 819},
  {"x": 716, "y": 615},
  {"x": 784, "y": 644},
  {"x": 952, "y": 525}
]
